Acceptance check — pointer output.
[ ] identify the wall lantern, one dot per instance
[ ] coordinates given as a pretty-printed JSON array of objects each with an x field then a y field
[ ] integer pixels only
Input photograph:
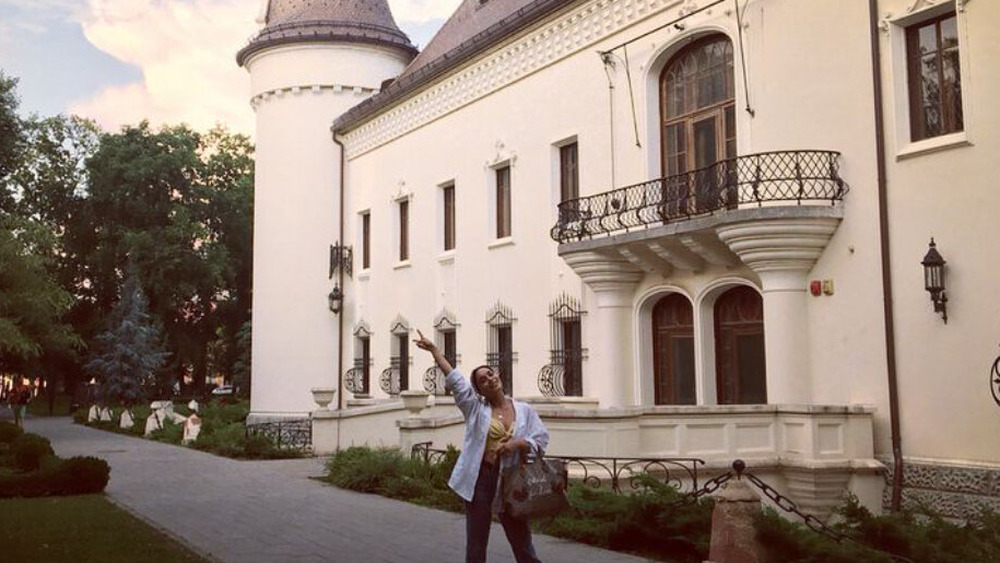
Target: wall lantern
[
  {"x": 934, "y": 280},
  {"x": 335, "y": 300}
]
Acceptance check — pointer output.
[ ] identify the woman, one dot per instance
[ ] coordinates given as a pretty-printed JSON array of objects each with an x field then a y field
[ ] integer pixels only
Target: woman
[{"x": 498, "y": 432}]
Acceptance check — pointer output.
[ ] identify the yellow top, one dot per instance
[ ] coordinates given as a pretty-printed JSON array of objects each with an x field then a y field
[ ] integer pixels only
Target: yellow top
[{"x": 497, "y": 434}]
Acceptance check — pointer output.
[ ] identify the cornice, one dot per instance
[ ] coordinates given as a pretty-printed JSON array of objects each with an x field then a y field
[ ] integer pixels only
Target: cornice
[
  {"x": 571, "y": 32},
  {"x": 310, "y": 89}
]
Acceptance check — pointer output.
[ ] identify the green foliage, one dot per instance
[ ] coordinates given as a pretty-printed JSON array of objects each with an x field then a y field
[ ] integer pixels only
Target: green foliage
[
  {"x": 389, "y": 472},
  {"x": 11, "y": 135},
  {"x": 128, "y": 356},
  {"x": 73, "y": 476},
  {"x": 242, "y": 361},
  {"x": 9, "y": 432},
  {"x": 922, "y": 536},
  {"x": 653, "y": 521},
  {"x": 32, "y": 304},
  {"x": 28, "y": 451},
  {"x": 169, "y": 433}
]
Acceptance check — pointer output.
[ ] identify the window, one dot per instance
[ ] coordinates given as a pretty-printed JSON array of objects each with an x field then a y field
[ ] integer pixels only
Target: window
[
  {"x": 366, "y": 240},
  {"x": 739, "y": 347},
  {"x": 358, "y": 379},
  {"x": 698, "y": 126},
  {"x": 563, "y": 377},
  {"x": 500, "y": 344},
  {"x": 448, "y": 194},
  {"x": 503, "y": 201},
  {"x": 673, "y": 351},
  {"x": 934, "y": 77},
  {"x": 396, "y": 377},
  {"x": 404, "y": 230},
  {"x": 446, "y": 328},
  {"x": 569, "y": 175}
]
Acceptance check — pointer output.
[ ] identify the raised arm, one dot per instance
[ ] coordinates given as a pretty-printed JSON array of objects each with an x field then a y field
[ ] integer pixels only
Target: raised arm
[{"x": 439, "y": 358}]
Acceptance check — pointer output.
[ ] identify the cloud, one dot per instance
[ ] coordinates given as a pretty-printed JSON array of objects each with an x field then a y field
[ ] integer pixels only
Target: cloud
[
  {"x": 186, "y": 52},
  {"x": 421, "y": 11}
]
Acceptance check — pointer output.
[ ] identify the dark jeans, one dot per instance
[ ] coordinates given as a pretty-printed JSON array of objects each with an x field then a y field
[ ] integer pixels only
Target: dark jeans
[{"x": 478, "y": 521}]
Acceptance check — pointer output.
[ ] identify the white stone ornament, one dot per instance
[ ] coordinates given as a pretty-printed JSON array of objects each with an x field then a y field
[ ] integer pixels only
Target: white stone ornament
[
  {"x": 192, "y": 427},
  {"x": 105, "y": 415},
  {"x": 153, "y": 423},
  {"x": 126, "y": 420},
  {"x": 92, "y": 414},
  {"x": 193, "y": 405}
]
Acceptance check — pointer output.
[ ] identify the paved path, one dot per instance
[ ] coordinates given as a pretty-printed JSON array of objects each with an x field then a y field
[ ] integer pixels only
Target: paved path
[{"x": 271, "y": 512}]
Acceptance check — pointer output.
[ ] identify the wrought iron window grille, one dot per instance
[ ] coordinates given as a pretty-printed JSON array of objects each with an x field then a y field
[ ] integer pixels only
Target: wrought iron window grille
[
  {"x": 500, "y": 354},
  {"x": 807, "y": 176},
  {"x": 341, "y": 256},
  {"x": 563, "y": 375},
  {"x": 995, "y": 381}
]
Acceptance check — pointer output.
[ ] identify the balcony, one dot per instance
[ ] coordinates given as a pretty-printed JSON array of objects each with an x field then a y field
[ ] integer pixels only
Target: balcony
[{"x": 769, "y": 179}]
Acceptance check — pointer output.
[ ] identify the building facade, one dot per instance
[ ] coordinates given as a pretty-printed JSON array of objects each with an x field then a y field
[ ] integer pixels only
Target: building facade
[{"x": 683, "y": 228}]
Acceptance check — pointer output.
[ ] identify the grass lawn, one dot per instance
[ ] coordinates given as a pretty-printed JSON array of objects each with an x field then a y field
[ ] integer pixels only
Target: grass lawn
[{"x": 80, "y": 529}]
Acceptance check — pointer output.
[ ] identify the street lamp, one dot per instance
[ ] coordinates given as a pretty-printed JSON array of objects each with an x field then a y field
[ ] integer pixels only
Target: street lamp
[
  {"x": 934, "y": 280},
  {"x": 335, "y": 300}
]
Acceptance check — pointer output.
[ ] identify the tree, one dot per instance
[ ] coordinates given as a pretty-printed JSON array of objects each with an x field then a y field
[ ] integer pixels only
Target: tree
[
  {"x": 130, "y": 354},
  {"x": 177, "y": 203},
  {"x": 11, "y": 137},
  {"x": 32, "y": 304}
]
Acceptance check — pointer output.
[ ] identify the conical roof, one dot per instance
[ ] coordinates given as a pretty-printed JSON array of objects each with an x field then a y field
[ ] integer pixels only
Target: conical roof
[{"x": 313, "y": 21}]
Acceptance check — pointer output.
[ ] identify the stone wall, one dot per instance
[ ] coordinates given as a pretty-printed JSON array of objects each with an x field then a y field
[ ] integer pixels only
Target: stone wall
[{"x": 954, "y": 490}]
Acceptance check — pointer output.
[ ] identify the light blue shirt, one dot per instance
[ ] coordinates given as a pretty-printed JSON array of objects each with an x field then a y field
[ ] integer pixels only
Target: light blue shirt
[{"x": 477, "y": 412}]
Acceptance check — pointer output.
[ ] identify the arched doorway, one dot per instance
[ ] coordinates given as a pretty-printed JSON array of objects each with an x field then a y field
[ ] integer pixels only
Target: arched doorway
[
  {"x": 673, "y": 351},
  {"x": 698, "y": 127},
  {"x": 739, "y": 347}
]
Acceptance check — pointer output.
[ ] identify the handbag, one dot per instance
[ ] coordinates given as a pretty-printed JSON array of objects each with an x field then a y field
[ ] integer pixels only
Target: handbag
[{"x": 537, "y": 489}]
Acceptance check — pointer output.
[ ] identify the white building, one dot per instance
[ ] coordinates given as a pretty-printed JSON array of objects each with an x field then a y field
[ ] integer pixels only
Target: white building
[{"x": 685, "y": 227}]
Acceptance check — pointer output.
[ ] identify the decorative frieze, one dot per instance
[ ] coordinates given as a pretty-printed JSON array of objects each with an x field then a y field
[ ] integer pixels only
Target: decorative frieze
[
  {"x": 954, "y": 491},
  {"x": 311, "y": 89},
  {"x": 560, "y": 38}
]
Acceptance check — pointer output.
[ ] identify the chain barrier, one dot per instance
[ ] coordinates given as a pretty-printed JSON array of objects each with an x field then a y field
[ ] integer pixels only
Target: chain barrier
[
  {"x": 813, "y": 523},
  {"x": 708, "y": 488}
]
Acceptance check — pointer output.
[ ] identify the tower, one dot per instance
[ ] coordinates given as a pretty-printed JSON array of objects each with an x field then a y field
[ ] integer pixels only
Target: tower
[{"x": 311, "y": 62}]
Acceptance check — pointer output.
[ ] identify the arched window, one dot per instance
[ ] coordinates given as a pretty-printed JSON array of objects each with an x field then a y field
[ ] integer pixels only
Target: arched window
[
  {"x": 673, "y": 351},
  {"x": 739, "y": 347},
  {"x": 698, "y": 122}
]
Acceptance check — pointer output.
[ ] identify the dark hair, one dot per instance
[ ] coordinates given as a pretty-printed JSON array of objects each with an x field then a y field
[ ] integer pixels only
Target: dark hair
[{"x": 472, "y": 378}]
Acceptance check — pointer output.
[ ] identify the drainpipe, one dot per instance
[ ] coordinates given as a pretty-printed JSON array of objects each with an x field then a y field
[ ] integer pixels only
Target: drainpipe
[
  {"x": 883, "y": 223},
  {"x": 340, "y": 280}
]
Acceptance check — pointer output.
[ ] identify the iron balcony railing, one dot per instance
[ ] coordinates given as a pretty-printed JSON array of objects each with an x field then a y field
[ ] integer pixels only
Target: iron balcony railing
[
  {"x": 807, "y": 176},
  {"x": 563, "y": 377},
  {"x": 434, "y": 381},
  {"x": 395, "y": 377},
  {"x": 356, "y": 379}
]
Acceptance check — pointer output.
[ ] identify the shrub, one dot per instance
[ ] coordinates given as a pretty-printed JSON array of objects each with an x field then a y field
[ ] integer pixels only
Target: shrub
[
  {"x": 81, "y": 475},
  {"x": 78, "y": 475},
  {"x": 28, "y": 450},
  {"x": 653, "y": 521},
  {"x": 922, "y": 536},
  {"x": 229, "y": 441},
  {"x": 9, "y": 432},
  {"x": 170, "y": 433},
  {"x": 364, "y": 469}
]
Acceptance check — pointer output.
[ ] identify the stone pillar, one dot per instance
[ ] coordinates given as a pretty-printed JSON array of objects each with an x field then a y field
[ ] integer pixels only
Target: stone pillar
[
  {"x": 782, "y": 252},
  {"x": 608, "y": 371},
  {"x": 733, "y": 534}
]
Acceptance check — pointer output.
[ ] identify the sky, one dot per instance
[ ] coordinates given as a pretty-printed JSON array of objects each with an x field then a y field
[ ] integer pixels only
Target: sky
[{"x": 169, "y": 61}]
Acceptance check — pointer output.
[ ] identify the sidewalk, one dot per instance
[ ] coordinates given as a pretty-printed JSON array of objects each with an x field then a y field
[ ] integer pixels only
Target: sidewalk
[{"x": 271, "y": 512}]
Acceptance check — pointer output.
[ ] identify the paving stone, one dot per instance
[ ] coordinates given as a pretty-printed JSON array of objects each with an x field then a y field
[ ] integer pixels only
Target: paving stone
[{"x": 272, "y": 512}]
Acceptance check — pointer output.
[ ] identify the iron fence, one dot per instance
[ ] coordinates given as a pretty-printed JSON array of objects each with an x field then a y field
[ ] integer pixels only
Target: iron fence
[
  {"x": 807, "y": 176},
  {"x": 681, "y": 473},
  {"x": 356, "y": 379},
  {"x": 289, "y": 434}
]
